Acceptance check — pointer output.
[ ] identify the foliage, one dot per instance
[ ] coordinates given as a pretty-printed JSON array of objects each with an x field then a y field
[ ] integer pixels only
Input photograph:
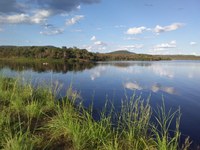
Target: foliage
[
  {"x": 70, "y": 55},
  {"x": 46, "y": 52},
  {"x": 180, "y": 57},
  {"x": 128, "y": 57}
]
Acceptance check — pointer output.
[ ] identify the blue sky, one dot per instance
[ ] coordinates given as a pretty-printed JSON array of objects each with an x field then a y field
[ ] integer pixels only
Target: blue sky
[{"x": 141, "y": 26}]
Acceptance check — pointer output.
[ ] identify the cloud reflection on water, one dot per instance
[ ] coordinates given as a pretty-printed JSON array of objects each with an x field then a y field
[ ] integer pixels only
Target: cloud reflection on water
[
  {"x": 97, "y": 72},
  {"x": 155, "y": 88},
  {"x": 162, "y": 71},
  {"x": 133, "y": 86},
  {"x": 158, "y": 87}
]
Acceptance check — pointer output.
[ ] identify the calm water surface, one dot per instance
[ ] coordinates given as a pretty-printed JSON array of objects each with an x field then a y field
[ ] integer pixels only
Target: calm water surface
[{"x": 177, "y": 81}]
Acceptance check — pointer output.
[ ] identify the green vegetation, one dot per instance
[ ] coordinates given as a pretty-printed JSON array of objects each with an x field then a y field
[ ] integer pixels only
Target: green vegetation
[
  {"x": 129, "y": 57},
  {"x": 51, "y": 54},
  {"x": 34, "y": 119},
  {"x": 126, "y": 55},
  {"x": 70, "y": 55},
  {"x": 180, "y": 57},
  {"x": 46, "y": 53},
  {"x": 121, "y": 52}
]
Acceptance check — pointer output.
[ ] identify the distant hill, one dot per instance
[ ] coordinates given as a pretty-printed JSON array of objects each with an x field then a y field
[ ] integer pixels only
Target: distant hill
[{"x": 121, "y": 52}]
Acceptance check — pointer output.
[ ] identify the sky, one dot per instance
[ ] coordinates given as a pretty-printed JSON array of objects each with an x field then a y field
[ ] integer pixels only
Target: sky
[{"x": 140, "y": 26}]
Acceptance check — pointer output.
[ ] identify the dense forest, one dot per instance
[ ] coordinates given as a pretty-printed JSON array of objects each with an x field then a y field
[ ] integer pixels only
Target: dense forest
[
  {"x": 67, "y": 54},
  {"x": 46, "y": 52}
]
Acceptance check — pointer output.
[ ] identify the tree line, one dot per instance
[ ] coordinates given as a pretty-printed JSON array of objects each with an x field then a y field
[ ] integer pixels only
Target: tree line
[
  {"x": 68, "y": 54},
  {"x": 49, "y": 52}
]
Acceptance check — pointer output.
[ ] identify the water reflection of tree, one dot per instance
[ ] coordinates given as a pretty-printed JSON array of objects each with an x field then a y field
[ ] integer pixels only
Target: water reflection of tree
[
  {"x": 40, "y": 67},
  {"x": 124, "y": 64}
]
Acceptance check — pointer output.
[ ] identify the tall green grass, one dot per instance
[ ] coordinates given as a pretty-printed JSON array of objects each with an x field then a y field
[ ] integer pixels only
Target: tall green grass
[{"x": 32, "y": 118}]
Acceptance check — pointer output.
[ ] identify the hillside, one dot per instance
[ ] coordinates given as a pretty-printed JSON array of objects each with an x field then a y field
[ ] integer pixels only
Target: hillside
[{"x": 121, "y": 52}]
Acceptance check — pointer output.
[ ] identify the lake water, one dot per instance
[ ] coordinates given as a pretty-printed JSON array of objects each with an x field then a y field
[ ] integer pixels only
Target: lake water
[{"x": 178, "y": 82}]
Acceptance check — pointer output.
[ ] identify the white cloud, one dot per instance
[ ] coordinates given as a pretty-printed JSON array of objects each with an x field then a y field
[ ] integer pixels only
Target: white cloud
[
  {"x": 38, "y": 17},
  {"x": 134, "y": 46},
  {"x": 52, "y": 31},
  {"x": 129, "y": 47},
  {"x": 78, "y": 7},
  {"x": 74, "y": 20},
  {"x": 171, "y": 44},
  {"x": 89, "y": 48},
  {"x": 100, "y": 43},
  {"x": 193, "y": 43},
  {"x": 137, "y": 39},
  {"x": 1, "y": 29},
  {"x": 93, "y": 38},
  {"x": 15, "y": 19},
  {"x": 136, "y": 30},
  {"x": 195, "y": 53},
  {"x": 131, "y": 38},
  {"x": 164, "y": 46},
  {"x": 96, "y": 46},
  {"x": 159, "y": 29}
]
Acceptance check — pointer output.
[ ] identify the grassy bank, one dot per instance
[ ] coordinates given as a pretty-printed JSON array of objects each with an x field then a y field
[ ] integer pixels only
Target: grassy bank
[{"x": 34, "y": 119}]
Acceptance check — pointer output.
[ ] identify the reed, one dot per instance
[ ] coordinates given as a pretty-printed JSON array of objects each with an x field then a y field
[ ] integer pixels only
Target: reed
[{"x": 32, "y": 118}]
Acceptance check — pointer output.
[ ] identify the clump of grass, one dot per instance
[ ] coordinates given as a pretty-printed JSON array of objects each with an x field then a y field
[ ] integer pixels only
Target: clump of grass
[
  {"x": 20, "y": 141},
  {"x": 134, "y": 119},
  {"x": 32, "y": 118},
  {"x": 22, "y": 109},
  {"x": 77, "y": 125},
  {"x": 162, "y": 127}
]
